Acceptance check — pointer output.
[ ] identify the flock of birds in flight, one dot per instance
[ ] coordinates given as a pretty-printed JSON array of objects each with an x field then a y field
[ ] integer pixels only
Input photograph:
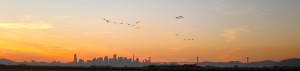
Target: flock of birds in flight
[
  {"x": 138, "y": 22},
  {"x": 133, "y": 25},
  {"x": 184, "y": 38},
  {"x": 181, "y": 17}
]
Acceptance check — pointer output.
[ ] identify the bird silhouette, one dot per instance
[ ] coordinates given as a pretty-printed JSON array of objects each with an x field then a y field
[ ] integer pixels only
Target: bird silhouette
[
  {"x": 107, "y": 21},
  {"x": 179, "y": 17}
]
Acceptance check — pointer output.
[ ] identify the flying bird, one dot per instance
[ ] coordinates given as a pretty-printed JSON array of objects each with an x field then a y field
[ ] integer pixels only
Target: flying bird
[
  {"x": 179, "y": 17},
  {"x": 107, "y": 21}
]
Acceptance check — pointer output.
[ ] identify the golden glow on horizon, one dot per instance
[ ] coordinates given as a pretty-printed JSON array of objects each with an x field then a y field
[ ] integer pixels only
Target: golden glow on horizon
[
  {"x": 223, "y": 30},
  {"x": 24, "y": 26}
]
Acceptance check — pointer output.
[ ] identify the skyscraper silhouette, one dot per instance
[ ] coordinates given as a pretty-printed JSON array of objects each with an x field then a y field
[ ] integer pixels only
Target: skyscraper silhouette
[
  {"x": 100, "y": 59},
  {"x": 105, "y": 59},
  {"x": 115, "y": 57},
  {"x": 133, "y": 58},
  {"x": 149, "y": 59},
  {"x": 197, "y": 59},
  {"x": 120, "y": 59},
  {"x": 137, "y": 60},
  {"x": 75, "y": 58},
  {"x": 81, "y": 61},
  {"x": 117, "y": 61}
]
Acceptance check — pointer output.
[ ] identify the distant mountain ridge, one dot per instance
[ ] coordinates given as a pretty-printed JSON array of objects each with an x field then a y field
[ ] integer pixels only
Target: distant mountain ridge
[
  {"x": 7, "y": 62},
  {"x": 294, "y": 62}
]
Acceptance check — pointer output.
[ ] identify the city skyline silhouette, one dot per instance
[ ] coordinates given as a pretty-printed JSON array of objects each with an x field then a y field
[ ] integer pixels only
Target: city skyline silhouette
[{"x": 119, "y": 61}]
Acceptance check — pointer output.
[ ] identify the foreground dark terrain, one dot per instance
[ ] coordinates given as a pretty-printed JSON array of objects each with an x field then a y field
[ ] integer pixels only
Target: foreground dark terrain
[{"x": 148, "y": 68}]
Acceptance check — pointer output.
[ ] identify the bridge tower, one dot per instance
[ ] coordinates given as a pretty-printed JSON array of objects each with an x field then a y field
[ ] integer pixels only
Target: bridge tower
[{"x": 247, "y": 60}]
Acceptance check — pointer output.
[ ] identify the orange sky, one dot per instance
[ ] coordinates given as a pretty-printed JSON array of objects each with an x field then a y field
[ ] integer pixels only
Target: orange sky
[{"x": 223, "y": 30}]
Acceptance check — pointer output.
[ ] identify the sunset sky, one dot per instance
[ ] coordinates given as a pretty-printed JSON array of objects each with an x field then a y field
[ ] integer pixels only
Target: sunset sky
[{"x": 223, "y": 30}]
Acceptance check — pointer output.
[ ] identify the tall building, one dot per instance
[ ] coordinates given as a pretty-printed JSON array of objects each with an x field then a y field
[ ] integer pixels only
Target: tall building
[
  {"x": 125, "y": 58},
  {"x": 94, "y": 60},
  {"x": 100, "y": 59},
  {"x": 133, "y": 58},
  {"x": 130, "y": 59},
  {"x": 81, "y": 61},
  {"x": 105, "y": 59},
  {"x": 89, "y": 61},
  {"x": 115, "y": 57},
  {"x": 149, "y": 59},
  {"x": 120, "y": 59},
  {"x": 137, "y": 60},
  {"x": 75, "y": 58}
]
